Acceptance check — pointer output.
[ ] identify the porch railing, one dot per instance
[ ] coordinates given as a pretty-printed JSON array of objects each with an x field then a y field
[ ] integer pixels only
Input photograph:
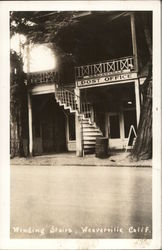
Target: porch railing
[
  {"x": 49, "y": 76},
  {"x": 105, "y": 68}
]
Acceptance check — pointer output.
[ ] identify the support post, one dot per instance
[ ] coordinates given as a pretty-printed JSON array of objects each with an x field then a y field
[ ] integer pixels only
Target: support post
[
  {"x": 134, "y": 40},
  {"x": 29, "y": 106},
  {"x": 137, "y": 98},
  {"x": 30, "y": 125},
  {"x": 78, "y": 127}
]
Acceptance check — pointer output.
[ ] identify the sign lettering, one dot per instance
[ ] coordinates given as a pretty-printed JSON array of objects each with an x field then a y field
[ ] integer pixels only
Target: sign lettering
[{"x": 100, "y": 80}]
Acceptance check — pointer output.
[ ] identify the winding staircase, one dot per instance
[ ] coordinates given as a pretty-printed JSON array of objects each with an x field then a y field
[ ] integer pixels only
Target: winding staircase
[{"x": 70, "y": 101}]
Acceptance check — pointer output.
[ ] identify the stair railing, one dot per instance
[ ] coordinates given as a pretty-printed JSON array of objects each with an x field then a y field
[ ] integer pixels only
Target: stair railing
[
  {"x": 85, "y": 108},
  {"x": 66, "y": 97},
  {"x": 70, "y": 99}
]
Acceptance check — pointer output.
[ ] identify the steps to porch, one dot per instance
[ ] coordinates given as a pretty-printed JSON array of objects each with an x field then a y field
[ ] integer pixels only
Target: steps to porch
[{"x": 90, "y": 131}]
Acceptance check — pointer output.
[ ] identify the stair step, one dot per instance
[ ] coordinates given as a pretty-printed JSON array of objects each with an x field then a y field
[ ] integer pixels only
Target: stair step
[
  {"x": 89, "y": 143},
  {"x": 92, "y": 133},
  {"x": 88, "y": 126},
  {"x": 85, "y": 120},
  {"x": 88, "y": 147},
  {"x": 90, "y": 129},
  {"x": 91, "y": 138},
  {"x": 89, "y": 151}
]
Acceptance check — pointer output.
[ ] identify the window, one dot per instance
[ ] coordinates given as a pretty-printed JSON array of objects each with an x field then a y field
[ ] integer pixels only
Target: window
[
  {"x": 72, "y": 128},
  {"x": 114, "y": 126}
]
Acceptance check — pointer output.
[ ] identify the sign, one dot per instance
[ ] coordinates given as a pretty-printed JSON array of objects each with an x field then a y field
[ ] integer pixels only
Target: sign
[
  {"x": 105, "y": 79},
  {"x": 131, "y": 137}
]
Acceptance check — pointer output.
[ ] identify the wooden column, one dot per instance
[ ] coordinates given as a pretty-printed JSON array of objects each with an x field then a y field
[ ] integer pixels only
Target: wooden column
[
  {"x": 78, "y": 128},
  {"x": 29, "y": 104},
  {"x": 134, "y": 40},
  {"x": 137, "y": 98},
  {"x": 30, "y": 125}
]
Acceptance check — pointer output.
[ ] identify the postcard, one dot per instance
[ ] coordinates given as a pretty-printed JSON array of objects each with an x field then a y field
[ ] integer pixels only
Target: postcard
[{"x": 80, "y": 125}]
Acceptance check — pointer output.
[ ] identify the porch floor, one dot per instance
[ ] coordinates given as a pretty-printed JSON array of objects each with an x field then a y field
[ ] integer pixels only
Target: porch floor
[{"x": 121, "y": 159}]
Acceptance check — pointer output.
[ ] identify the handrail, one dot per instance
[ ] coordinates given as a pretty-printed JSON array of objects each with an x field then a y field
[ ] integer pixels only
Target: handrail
[{"x": 72, "y": 100}]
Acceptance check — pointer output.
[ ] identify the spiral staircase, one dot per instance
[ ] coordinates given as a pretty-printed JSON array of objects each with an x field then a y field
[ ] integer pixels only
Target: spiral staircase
[{"x": 70, "y": 101}]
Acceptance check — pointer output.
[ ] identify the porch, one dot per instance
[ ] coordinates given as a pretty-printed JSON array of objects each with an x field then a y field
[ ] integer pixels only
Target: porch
[
  {"x": 84, "y": 124},
  {"x": 106, "y": 72}
]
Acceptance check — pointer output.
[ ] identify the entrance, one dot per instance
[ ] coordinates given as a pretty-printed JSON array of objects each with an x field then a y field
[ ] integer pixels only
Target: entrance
[
  {"x": 118, "y": 126},
  {"x": 70, "y": 132},
  {"x": 115, "y": 130},
  {"x": 49, "y": 131}
]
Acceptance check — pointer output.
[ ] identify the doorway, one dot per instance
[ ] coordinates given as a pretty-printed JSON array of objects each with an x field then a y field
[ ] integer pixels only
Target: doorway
[
  {"x": 49, "y": 125},
  {"x": 70, "y": 132},
  {"x": 118, "y": 127},
  {"x": 115, "y": 130}
]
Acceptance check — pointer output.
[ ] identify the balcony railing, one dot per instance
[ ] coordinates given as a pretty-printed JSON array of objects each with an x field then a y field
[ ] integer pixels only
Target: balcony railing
[
  {"x": 110, "y": 67},
  {"x": 49, "y": 76}
]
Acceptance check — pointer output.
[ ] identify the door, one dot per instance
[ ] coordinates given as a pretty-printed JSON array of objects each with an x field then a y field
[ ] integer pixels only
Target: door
[
  {"x": 37, "y": 138},
  {"x": 70, "y": 134},
  {"x": 115, "y": 130}
]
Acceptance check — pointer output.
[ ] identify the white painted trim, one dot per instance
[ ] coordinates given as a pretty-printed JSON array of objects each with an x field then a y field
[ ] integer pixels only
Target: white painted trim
[
  {"x": 71, "y": 145},
  {"x": 122, "y": 133},
  {"x": 30, "y": 124},
  {"x": 137, "y": 100},
  {"x": 109, "y": 83},
  {"x": 134, "y": 40},
  {"x": 42, "y": 89}
]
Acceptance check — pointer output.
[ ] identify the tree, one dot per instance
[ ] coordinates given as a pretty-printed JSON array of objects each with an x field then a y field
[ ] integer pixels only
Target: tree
[
  {"x": 143, "y": 146},
  {"x": 18, "y": 105}
]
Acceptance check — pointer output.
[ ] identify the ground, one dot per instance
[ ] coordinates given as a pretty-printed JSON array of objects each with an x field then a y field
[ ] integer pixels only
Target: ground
[
  {"x": 80, "y": 201},
  {"x": 114, "y": 158}
]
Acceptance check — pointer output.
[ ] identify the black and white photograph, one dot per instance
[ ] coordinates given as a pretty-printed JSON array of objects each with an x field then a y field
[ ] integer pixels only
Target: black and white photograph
[{"x": 84, "y": 124}]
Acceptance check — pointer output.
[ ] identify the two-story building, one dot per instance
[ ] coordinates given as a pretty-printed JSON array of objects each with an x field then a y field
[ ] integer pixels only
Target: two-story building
[{"x": 105, "y": 97}]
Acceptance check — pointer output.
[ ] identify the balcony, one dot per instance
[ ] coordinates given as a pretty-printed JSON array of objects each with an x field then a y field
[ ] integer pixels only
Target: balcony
[
  {"x": 43, "y": 77},
  {"x": 94, "y": 73}
]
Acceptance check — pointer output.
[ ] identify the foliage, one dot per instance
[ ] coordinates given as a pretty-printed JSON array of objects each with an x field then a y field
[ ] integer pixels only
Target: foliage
[
  {"x": 18, "y": 105},
  {"x": 41, "y": 26},
  {"x": 142, "y": 149}
]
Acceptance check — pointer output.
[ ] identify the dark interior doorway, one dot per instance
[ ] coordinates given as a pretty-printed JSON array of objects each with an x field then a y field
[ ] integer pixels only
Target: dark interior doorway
[{"x": 48, "y": 124}]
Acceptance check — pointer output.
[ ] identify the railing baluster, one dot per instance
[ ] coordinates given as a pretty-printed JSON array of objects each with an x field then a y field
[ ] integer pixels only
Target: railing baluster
[
  {"x": 117, "y": 65},
  {"x": 68, "y": 100},
  {"x": 104, "y": 70},
  {"x": 42, "y": 77},
  {"x": 88, "y": 70},
  {"x": 111, "y": 66},
  {"x": 71, "y": 100}
]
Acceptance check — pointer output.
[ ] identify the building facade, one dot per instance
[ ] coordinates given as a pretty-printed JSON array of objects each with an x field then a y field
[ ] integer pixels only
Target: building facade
[{"x": 105, "y": 98}]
